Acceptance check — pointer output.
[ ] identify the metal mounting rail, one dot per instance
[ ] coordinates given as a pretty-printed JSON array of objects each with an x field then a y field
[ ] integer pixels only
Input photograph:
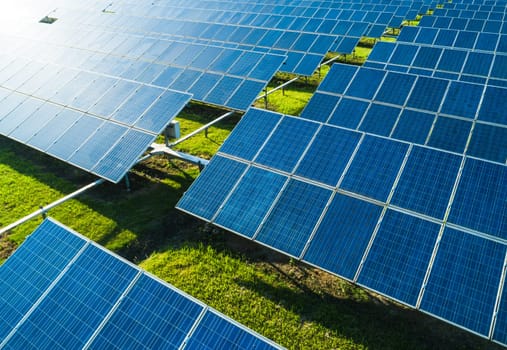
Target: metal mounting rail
[
  {"x": 43, "y": 210},
  {"x": 202, "y": 128},
  {"x": 159, "y": 149}
]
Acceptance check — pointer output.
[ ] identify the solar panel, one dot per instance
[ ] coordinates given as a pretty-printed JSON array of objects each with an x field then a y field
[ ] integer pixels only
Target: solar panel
[
  {"x": 84, "y": 139},
  {"x": 472, "y": 267},
  {"x": 61, "y": 290},
  {"x": 400, "y": 253}
]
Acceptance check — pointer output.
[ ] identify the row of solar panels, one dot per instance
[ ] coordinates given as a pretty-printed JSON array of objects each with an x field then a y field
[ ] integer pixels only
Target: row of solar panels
[
  {"x": 315, "y": 10},
  {"x": 470, "y": 11},
  {"x": 96, "y": 123},
  {"x": 221, "y": 76},
  {"x": 447, "y": 63},
  {"x": 421, "y": 226},
  {"x": 471, "y": 40},
  {"x": 253, "y": 18},
  {"x": 299, "y": 46},
  {"x": 62, "y": 291},
  {"x": 493, "y": 23},
  {"x": 450, "y": 115}
]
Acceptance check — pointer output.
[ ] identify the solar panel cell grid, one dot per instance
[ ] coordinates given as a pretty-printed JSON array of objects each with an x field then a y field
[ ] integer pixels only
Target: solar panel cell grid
[
  {"x": 95, "y": 300},
  {"x": 249, "y": 203},
  {"x": 480, "y": 199},
  {"x": 29, "y": 272},
  {"x": 287, "y": 143},
  {"x": 379, "y": 119},
  {"x": 94, "y": 276},
  {"x": 150, "y": 316},
  {"x": 416, "y": 188},
  {"x": 413, "y": 126},
  {"x": 489, "y": 142},
  {"x": 397, "y": 262},
  {"x": 428, "y": 94},
  {"x": 328, "y": 155},
  {"x": 343, "y": 235},
  {"x": 374, "y": 168},
  {"x": 292, "y": 219},
  {"x": 464, "y": 280}
]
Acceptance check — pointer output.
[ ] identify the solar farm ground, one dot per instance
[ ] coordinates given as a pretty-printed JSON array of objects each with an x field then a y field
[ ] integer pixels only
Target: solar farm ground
[{"x": 296, "y": 306}]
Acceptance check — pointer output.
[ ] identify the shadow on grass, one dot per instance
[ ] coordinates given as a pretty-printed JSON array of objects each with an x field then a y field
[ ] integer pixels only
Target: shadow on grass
[
  {"x": 343, "y": 308},
  {"x": 147, "y": 209}
]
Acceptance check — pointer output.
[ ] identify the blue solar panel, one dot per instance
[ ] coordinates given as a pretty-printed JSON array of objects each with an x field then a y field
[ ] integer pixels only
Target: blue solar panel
[
  {"x": 202, "y": 86},
  {"x": 343, "y": 235},
  {"x": 464, "y": 280},
  {"x": 452, "y": 60},
  {"x": 113, "y": 98},
  {"x": 375, "y": 167},
  {"x": 413, "y": 126},
  {"x": 97, "y": 145},
  {"x": 215, "y": 332},
  {"x": 123, "y": 155},
  {"x": 151, "y": 316},
  {"x": 287, "y": 143},
  {"x": 292, "y": 219},
  {"x": 95, "y": 275},
  {"x": 62, "y": 291},
  {"x": 428, "y": 93},
  {"x": 398, "y": 259},
  {"x": 74, "y": 136},
  {"x": 320, "y": 107},
  {"x": 162, "y": 111},
  {"x": 494, "y": 105},
  {"x": 250, "y": 201},
  {"x": 348, "y": 113},
  {"x": 480, "y": 199},
  {"x": 18, "y": 115},
  {"x": 27, "y": 274},
  {"x": 426, "y": 183},
  {"x": 205, "y": 202},
  {"x": 403, "y": 55},
  {"x": 365, "y": 83},
  {"x": 450, "y": 134},
  {"x": 478, "y": 63},
  {"x": 395, "y": 88},
  {"x": 489, "y": 142},
  {"x": 427, "y": 57},
  {"x": 338, "y": 78},
  {"x": 462, "y": 99},
  {"x": 382, "y": 51},
  {"x": 379, "y": 119},
  {"x": 500, "y": 331},
  {"x": 222, "y": 90},
  {"x": 247, "y": 137},
  {"x": 328, "y": 155}
]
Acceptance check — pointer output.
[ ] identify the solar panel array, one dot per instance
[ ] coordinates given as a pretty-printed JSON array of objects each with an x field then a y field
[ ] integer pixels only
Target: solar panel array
[
  {"x": 62, "y": 291},
  {"x": 97, "y": 99},
  {"x": 441, "y": 62},
  {"x": 456, "y": 116},
  {"x": 394, "y": 176},
  {"x": 98, "y": 123},
  {"x": 302, "y": 31},
  {"x": 425, "y": 227}
]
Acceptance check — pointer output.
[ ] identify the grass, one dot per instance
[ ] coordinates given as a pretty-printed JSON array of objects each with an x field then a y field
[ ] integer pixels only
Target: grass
[{"x": 295, "y": 305}]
